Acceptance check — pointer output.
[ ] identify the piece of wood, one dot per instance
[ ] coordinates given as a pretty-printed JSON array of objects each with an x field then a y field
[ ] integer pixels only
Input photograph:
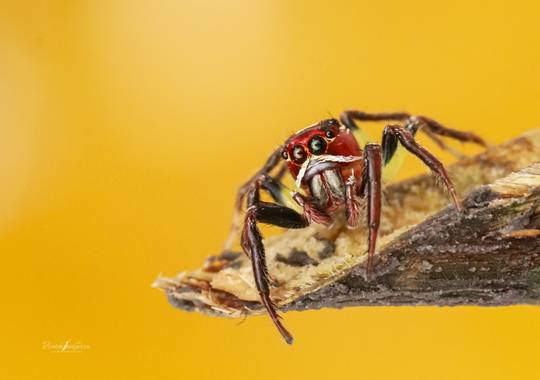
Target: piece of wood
[
  {"x": 490, "y": 256},
  {"x": 428, "y": 253}
]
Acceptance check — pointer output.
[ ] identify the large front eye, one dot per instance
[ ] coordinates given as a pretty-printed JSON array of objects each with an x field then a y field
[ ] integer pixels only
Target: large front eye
[
  {"x": 317, "y": 145},
  {"x": 299, "y": 154}
]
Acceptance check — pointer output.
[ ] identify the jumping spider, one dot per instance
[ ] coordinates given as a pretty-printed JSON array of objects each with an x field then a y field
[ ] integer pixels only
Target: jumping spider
[{"x": 335, "y": 172}]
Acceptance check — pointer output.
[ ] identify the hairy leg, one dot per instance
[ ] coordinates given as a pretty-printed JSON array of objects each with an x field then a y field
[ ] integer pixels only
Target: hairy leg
[
  {"x": 311, "y": 212},
  {"x": 396, "y": 133},
  {"x": 352, "y": 207},
  {"x": 431, "y": 127},
  {"x": 372, "y": 186},
  {"x": 270, "y": 164},
  {"x": 252, "y": 244}
]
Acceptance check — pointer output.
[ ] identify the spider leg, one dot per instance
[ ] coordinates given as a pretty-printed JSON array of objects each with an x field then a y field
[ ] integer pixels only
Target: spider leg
[
  {"x": 442, "y": 144},
  {"x": 252, "y": 243},
  {"x": 275, "y": 189},
  {"x": 348, "y": 117},
  {"x": 431, "y": 127},
  {"x": 439, "y": 129},
  {"x": 372, "y": 186},
  {"x": 312, "y": 213},
  {"x": 271, "y": 163},
  {"x": 352, "y": 207},
  {"x": 395, "y": 133}
]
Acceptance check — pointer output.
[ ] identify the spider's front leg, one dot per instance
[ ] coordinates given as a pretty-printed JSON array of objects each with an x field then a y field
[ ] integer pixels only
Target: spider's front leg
[
  {"x": 371, "y": 186},
  {"x": 252, "y": 240}
]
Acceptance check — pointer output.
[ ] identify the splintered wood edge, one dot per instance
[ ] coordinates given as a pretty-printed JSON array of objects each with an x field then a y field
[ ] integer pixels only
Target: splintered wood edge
[{"x": 409, "y": 270}]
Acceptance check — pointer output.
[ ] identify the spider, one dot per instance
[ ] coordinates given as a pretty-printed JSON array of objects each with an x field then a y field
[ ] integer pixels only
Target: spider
[{"x": 337, "y": 172}]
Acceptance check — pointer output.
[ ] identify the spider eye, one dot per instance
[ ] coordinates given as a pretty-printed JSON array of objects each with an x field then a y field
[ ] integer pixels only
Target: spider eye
[
  {"x": 285, "y": 155},
  {"x": 329, "y": 134},
  {"x": 317, "y": 145},
  {"x": 299, "y": 154}
]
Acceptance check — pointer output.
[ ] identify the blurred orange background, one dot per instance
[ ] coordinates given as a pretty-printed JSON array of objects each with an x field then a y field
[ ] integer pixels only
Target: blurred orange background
[{"x": 126, "y": 126}]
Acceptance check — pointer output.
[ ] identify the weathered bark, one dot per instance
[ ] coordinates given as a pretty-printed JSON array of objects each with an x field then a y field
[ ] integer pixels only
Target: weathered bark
[{"x": 489, "y": 255}]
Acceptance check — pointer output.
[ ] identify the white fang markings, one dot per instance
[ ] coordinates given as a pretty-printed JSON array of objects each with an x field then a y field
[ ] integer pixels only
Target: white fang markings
[{"x": 318, "y": 159}]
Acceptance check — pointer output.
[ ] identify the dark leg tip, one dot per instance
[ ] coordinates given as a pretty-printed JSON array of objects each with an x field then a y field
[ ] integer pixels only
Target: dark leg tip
[{"x": 289, "y": 339}]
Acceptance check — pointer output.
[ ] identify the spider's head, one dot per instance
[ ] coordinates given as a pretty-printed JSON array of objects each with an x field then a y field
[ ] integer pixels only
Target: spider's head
[
  {"x": 326, "y": 138},
  {"x": 315, "y": 140}
]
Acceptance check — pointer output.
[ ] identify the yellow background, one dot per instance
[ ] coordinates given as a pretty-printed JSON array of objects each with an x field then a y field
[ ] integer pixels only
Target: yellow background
[{"x": 125, "y": 127}]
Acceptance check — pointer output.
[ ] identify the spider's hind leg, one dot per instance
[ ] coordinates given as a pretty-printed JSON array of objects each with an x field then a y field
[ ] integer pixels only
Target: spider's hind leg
[
  {"x": 432, "y": 128},
  {"x": 438, "y": 129}
]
